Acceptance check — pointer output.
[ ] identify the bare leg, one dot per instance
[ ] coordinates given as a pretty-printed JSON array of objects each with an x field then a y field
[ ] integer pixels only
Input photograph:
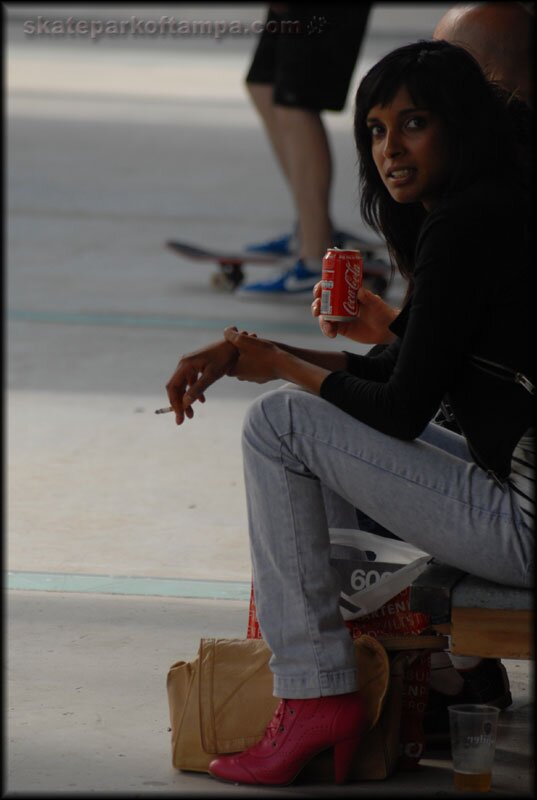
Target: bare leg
[
  {"x": 261, "y": 95},
  {"x": 298, "y": 138},
  {"x": 309, "y": 164}
]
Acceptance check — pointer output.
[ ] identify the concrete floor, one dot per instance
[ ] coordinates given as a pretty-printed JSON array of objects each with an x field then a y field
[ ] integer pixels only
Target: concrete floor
[
  {"x": 126, "y": 538},
  {"x": 88, "y": 713}
]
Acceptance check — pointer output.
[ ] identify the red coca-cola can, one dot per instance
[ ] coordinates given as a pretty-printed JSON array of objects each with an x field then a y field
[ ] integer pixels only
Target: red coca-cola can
[{"x": 341, "y": 279}]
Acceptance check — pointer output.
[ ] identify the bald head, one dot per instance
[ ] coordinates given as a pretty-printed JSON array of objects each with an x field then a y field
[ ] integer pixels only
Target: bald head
[{"x": 498, "y": 35}]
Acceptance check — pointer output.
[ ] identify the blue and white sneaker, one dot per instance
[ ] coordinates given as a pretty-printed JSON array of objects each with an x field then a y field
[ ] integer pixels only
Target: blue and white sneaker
[
  {"x": 282, "y": 246},
  {"x": 288, "y": 244},
  {"x": 299, "y": 279}
]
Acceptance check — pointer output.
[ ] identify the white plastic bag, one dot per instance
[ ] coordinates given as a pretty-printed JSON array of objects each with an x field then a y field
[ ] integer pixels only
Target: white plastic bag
[{"x": 373, "y": 569}]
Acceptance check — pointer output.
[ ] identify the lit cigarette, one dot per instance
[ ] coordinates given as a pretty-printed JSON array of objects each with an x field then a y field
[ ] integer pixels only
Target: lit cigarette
[{"x": 163, "y": 410}]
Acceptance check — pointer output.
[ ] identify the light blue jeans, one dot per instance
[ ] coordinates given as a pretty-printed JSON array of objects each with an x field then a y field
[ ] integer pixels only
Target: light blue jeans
[{"x": 307, "y": 465}]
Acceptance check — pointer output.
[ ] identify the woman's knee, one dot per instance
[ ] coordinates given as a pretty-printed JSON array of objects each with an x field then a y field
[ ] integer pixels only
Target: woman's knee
[
  {"x": 266, "y": 414},
  {"x": 276, "y": 416}
]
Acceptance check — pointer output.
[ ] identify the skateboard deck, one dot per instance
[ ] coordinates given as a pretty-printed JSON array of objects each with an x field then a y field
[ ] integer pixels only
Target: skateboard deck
[
  {"x": 230, "y": 273},
  {"x": 221, "y": 256},
  {"x": 230, "y": 263}
]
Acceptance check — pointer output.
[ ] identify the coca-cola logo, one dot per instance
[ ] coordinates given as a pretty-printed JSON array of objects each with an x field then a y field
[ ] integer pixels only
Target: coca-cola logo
[{"x": 352, "y": 279}]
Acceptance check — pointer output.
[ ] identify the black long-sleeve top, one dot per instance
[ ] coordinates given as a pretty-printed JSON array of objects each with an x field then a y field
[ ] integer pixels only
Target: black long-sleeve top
[{"x": 472, "y": 295}]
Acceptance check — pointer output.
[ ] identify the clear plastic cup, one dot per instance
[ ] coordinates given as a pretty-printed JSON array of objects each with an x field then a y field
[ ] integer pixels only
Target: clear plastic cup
[{"x": 473, "y": 743}]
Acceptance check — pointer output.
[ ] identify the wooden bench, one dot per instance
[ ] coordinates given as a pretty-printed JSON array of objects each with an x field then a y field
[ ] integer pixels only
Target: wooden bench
[{"x": 483, "y": 619}]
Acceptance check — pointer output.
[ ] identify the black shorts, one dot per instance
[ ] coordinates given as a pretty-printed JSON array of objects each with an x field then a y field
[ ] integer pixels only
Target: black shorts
[{"x": 311, "y": 63}]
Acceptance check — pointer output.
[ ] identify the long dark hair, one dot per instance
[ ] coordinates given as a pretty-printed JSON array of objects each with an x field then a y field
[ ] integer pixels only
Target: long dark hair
[{"x": 485, "y": 135}]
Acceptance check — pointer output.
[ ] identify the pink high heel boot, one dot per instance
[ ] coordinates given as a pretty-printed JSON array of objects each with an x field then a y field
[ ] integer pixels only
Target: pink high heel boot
[{"x": 298, "y": 731}]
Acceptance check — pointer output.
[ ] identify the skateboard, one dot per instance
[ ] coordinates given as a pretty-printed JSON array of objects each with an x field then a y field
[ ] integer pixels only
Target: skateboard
[{"x": 230, "y": 273}]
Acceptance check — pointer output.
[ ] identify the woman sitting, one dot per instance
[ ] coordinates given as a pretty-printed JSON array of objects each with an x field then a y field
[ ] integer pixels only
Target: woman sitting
[{"x": 442, "y": 181}]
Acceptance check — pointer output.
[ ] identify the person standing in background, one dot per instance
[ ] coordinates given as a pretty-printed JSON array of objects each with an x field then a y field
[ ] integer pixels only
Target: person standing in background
[{"x": 302, "y": 66}]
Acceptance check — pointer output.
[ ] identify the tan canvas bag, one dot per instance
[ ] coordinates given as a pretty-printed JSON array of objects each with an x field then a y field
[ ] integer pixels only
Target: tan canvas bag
[{"x": 222, "y": 703}]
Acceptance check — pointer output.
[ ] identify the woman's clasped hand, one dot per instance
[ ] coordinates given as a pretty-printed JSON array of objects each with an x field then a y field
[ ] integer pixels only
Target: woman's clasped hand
[
  {"x": 240, "y": 355},
  {"x": 257, "y": 358}
]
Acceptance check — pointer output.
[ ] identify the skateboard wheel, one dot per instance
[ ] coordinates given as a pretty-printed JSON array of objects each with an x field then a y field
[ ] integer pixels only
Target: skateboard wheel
[
  {"x": 233, "y": 274},
  {"x": 222, "y": 282}
]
